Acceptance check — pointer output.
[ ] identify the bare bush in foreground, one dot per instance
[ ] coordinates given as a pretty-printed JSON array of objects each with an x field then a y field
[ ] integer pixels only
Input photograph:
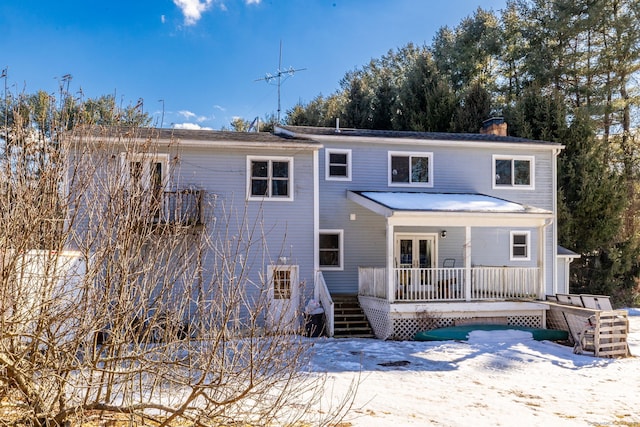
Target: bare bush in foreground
[{"x": 118, "y": 295}]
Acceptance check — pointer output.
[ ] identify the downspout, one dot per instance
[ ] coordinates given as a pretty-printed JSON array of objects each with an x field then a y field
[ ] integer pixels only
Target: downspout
[
  {"x": 543, "y": 260},
  {"x": 316, "y": 224},
  {"x": 554, "y": 249}
]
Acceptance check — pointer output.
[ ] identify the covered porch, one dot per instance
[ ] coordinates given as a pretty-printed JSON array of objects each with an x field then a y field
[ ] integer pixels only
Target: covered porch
[{"x": 453, "y": 256}]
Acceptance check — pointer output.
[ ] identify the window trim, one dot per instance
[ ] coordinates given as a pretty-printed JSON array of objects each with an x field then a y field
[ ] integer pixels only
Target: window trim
[
  {"x": 513, "y": 186},
  {"x": 269, "y": 197},
  {"x": 410, "y": 155},
  {"x": 146, "y": 159},
  {"x": 293, "y": 272},
  {"x": 527, "y": 245},
  {"x": 327, "y": 163},
  {"x": 340, "y": 266}
]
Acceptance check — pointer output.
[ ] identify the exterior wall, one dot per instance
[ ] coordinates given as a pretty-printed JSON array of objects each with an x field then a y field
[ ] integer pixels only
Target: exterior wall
[
  {"x": 270, "y": 232},
  {"x": 364, "y": 242},
  {"x": 462, "y": 169},
  {"x": 287, "y": 227}
]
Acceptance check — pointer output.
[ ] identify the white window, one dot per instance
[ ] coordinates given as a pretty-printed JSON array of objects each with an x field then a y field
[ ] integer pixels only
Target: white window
[
  {"x": 145, "y": 171},
  {"x": 520, "y": 246},
  {"x": 330, "y": 250},
  {"x": 513, "y": 172},
  {"x": 282, "y": 283},
  {"x": 410, "y": 169},
  {"x": 337, "y": 165},
  {"x": 270, "y": 178}
]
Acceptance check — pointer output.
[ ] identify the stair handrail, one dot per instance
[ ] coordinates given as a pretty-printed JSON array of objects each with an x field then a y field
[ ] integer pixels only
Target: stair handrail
[{"x": 321, "y": 293}]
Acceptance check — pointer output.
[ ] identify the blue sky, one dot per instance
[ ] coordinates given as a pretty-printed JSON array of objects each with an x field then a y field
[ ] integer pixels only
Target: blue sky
[{"x": 200, "y": 58}]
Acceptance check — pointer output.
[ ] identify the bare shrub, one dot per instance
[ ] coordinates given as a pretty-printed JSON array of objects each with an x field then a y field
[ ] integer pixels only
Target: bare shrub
[{"x": 115, "y": 301}]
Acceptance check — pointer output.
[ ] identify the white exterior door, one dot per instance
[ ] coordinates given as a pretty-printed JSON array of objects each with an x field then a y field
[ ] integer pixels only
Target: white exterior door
[
  {"x": 413, "y": 254},
  {"x": 284, "y": 296}
]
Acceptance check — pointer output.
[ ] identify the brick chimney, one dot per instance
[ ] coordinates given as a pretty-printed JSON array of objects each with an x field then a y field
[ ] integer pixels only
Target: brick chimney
[{"x": 494, "y": 126}]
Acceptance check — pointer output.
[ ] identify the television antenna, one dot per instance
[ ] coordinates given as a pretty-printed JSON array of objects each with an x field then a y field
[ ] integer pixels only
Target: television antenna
[{"x": 278, "y": 77}]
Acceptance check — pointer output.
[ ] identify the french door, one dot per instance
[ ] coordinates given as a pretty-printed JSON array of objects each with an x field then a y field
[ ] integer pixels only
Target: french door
[{"x": 413, "y": 254}]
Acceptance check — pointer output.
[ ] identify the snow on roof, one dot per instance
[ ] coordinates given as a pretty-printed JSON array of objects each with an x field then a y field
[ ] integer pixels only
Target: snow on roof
[{"x": 449, "y": 202}]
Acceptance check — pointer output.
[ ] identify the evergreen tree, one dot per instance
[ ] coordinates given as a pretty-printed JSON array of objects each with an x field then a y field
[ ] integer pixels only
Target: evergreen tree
[
  {"x": 473, "y": 110},
  {"x": 592, "y": 192},
  {"x": 426, "y": 102},
  {"x": 467, "y": 54}
]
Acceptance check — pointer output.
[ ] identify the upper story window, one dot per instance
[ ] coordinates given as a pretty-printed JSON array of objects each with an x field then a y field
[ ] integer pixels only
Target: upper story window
[
  {"x": 513, "y": 172},
  {"x": 520, "y": 246},
  {"x": 337, "y": 165},
  {"x": 145, "y": 172},
  {"x": 410, "y": 169},
  {"x": 270, "y": 178}
]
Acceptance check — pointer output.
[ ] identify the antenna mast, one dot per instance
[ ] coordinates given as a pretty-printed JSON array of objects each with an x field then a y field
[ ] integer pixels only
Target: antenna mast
[{"x": 278, "y": 76}]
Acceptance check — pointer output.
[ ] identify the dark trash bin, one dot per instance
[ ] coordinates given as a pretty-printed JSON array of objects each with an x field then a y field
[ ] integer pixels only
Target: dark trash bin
[
  {"x": 314, "y": 319},
  {"x": 315, "y": 325}
]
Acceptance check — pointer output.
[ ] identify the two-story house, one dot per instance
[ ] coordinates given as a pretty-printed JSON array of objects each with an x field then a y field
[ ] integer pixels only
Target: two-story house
[
  {"x": 425, "y": 228},
  {"x": 430, "y": 228}
]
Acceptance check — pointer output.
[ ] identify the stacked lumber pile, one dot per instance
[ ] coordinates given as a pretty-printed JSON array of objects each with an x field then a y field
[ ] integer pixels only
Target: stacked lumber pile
[{"x": 594, "y": 327}]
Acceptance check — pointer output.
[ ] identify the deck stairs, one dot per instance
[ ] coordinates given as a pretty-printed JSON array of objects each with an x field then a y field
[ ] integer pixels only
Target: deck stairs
[{"x": 349, "y": 320}]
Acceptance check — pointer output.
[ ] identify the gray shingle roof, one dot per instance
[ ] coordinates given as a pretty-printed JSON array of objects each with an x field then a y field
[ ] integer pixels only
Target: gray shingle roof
[
  {"x": 440, "y": 136},
  {"x": 214, "y": 136}
]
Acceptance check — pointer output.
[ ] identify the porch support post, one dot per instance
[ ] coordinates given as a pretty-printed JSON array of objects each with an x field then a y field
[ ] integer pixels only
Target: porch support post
[
  {"x": 390, "y": 275},
  {"x": 467, "y": 263},
  {"x": 542, "y": 243}
]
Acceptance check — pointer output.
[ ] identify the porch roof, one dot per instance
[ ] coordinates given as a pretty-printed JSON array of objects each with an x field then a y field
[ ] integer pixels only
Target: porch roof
[{"x": 458, "y": 209}]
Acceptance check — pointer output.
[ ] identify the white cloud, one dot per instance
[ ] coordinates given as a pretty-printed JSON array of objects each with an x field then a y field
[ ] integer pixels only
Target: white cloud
[
  {"x": 193, "y": 9},
  {"x": 192, "y": 116},
  {"x": 253, "y": 1},
  {"x": 163, "y": 19},
  {"x": 187, "y": 114},
  {"x": 190, "y": 126}
]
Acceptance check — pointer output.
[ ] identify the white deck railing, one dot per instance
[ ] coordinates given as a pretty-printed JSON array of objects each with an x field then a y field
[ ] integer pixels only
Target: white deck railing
[
  {"x": 505, "y": 282},
  {"x": 448, "y": 284},
  {"x": 321, "y": 293},
  {"x": 372, "y": 282}
]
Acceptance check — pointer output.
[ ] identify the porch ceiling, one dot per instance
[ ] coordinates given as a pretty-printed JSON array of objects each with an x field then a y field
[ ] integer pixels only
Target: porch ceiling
[{"x": 453, "y": 209}]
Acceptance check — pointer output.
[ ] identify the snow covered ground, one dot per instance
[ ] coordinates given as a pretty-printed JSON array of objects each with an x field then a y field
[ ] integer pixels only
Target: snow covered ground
[{"x": 494, "y": 379}]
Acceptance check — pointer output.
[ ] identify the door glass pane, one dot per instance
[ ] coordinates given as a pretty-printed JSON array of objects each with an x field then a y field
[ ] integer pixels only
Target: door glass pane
[
  {"x": 406, "y": 253},
  {"x": 425, "y": 253},
  {"x": 282, "y": 284}
]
